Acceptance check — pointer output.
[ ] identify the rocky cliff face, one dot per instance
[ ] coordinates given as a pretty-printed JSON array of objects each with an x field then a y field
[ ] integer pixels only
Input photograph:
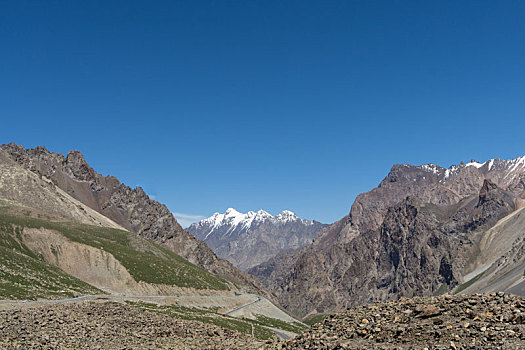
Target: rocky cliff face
[
  {"x": 417, "y": 233},
  {"x": 130, "y": 208},
  {"x": 432, "y": 184},
  {"x": 20, "y": 186},
  {"x": 252, "y": 238}
]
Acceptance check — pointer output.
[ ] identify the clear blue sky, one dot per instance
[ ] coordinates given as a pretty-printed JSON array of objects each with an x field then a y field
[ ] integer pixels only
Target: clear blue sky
[{"x": 296, "y": 105}]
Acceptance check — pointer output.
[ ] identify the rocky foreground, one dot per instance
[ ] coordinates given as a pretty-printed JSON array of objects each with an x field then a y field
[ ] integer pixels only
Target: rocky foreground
[
  {"x": 488, "y": 321},
  {"x": 90, "y": 325}
]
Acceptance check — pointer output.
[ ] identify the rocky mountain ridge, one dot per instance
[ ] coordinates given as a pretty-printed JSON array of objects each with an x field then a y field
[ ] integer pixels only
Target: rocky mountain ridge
[
  {"x": 130, "y": 208},
  {"x": 254, "y": 237},
  {"x": 23, "y": 187},
  {"x": 419, "y": 232}
]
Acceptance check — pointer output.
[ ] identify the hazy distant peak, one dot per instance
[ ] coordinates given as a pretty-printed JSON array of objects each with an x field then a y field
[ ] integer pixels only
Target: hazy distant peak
[
  {"x": 248, "y": 239},
  {"x": 235, "y": 221}
]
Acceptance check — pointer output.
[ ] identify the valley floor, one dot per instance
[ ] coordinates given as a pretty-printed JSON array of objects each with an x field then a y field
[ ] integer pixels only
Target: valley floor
[
  {"x": 247, "y": 314},
  {"x": 482, "y": 321},
  {"x": 110, "y": 325}
]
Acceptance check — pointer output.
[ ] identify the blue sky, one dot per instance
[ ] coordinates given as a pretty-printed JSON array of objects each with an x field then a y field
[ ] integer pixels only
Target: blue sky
[{"x": 296, "y": 105}]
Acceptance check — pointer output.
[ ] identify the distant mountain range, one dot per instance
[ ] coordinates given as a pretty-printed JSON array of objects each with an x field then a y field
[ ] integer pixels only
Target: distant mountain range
[
  {"x": 424, "y": 230},
  {"x": 254, "y": 237}
]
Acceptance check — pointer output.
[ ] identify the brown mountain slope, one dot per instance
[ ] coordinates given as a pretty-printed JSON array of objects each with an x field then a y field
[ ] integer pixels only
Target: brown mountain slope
[
  {"x": 23, "y": 187},
  {"x": 390, "y": 246},
  {"x": 430, "y": 183},
  {"x": 130, "y": 208}
]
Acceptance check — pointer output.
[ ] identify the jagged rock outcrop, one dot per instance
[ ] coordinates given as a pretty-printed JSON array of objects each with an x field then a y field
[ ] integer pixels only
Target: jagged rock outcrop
[
  {"x": 249, "y": 239},
  {"x": 417, "y": 233},
  {"x": 130, "y": 208},
  {"x": 22, "y": 187}
]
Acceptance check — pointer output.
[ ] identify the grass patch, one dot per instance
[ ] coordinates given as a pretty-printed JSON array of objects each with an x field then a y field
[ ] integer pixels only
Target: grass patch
[
  {"x": 151, "y": 264},
  {"x": 465, "y": 285},
  {"x": 211, "y": 316},
  {"x": 24, "y": 276},
  {"x": 310, "y": 320},
  {"x": 295, "y": 327},
  {"x": 443, "y": 288}
]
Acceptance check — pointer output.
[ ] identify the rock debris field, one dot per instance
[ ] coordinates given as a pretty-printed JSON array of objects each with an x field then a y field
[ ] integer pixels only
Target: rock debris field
[
  {"x": 89, "y": 325},
  {"x": 487, "y": 321}
]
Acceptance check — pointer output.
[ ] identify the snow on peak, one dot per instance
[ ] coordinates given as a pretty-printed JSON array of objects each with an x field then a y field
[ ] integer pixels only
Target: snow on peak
[
  {"x": 491, "y": 163},
  {"x": 233, "y": 221},
  {"x": 509, "y": 166},
  {"x": 231, "y": 212},
  {"x": 286, "y": 216},
  {"x": 515, "y": 164},
  {"x": 474, "y": 164},
  {"x": 262, "y": 214},
  {"x": 433, "y": 168},
  {"x": 288, "y": 213},
  {"x": 451, "y": 171}
]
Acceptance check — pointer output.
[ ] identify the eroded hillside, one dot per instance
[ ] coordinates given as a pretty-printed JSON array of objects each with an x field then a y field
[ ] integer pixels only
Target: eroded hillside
[
  {"x": 424, "y": 230},
  {"x": 132, "y": 209}
]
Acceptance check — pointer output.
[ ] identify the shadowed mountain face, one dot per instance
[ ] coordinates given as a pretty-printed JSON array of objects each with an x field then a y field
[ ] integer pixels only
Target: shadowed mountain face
[
  {"x": 252, "y": 238},
  {"x": 420, "y": 232},
  {"x": 130, "y": 208}
]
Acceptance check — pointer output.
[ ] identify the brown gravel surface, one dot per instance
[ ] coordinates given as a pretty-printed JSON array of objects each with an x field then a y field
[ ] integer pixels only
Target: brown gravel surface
[
  {"x": 488, "y": 321},
  {"x": 107, "y": 325}
]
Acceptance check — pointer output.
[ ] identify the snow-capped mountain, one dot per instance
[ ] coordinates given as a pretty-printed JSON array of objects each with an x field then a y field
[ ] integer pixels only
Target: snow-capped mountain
[
  {"x": 506, "y": 169},
  {"x": 248, "y": 239}
]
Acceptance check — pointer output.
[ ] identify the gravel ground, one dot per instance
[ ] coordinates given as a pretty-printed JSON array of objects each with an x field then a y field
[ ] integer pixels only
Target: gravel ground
[
  {"x": 488, "y": 321},
  {"x": 107, "y": 325},
  {"x": 482, "y": 321}
]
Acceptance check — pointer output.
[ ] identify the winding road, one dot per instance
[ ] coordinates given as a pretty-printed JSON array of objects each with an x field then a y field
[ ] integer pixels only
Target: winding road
[{"x": 243, "y": 306}]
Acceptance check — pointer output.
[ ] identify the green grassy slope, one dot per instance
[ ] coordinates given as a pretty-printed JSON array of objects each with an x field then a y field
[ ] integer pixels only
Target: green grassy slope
[
  {"x": 295, "y": 327},
  {"x": 144, "y": 260},
  {"x": 310, "y": 320},
  {"x": 258, "y": 326},
  {"x": 25, "y": 276}
]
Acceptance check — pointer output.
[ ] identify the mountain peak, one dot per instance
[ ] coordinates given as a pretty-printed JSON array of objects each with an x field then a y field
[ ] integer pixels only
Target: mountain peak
[
  {"x": 231, "y": 212},
  {"x": 264, "y": 214},
  {"x": 248, "y": 239},
  {"x": 234, "y": 221},
  {"x": 286, "y": 216},
  {"x": 428, "y": 173}
]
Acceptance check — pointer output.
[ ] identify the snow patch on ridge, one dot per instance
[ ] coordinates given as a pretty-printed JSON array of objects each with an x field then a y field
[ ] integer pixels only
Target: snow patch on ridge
[
  {"x": 475, "y": 164},
  {"x": 451, "y": 171},
  {"x": 433, "y": 168},
  {"x": 511, "y": 166}
]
